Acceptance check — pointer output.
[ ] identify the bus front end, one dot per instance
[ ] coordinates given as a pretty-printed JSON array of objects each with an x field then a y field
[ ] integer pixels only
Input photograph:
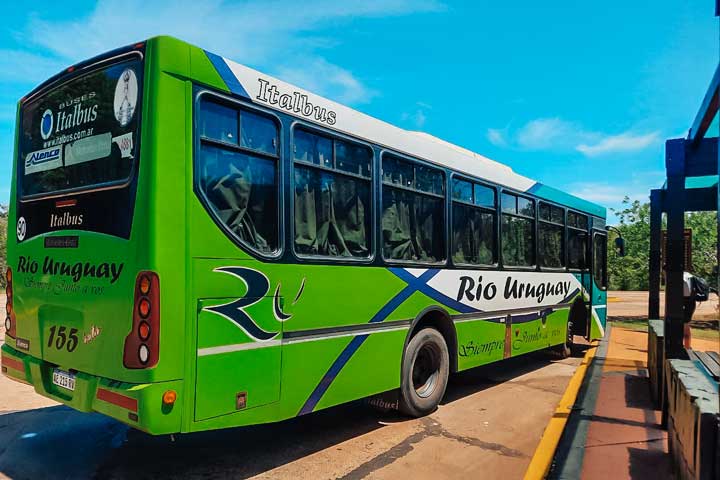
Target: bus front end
[{"x": 83, "y": 317}]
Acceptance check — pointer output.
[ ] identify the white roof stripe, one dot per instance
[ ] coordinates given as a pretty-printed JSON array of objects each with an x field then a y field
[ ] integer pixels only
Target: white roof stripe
[{"x": 282, "y": 96}]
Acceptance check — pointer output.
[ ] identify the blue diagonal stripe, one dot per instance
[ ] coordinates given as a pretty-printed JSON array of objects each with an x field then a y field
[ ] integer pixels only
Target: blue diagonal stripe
[
  {"x": 227, "y": 75},
  {"x": 421, "y": 284},
  {"x": 355, "y": 343}
]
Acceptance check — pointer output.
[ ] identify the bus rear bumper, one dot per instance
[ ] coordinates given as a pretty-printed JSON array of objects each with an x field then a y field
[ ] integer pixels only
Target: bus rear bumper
[{"x": 138, "y": 405}]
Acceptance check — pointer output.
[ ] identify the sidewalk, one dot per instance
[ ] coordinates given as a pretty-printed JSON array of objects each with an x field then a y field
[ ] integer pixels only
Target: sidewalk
[{"x": 616, "y": 431}]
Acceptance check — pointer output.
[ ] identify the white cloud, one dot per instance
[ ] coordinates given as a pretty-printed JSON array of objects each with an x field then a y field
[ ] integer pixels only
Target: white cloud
[
  {"x": 556, "y": 134},
  {"x": 547, "y": 133},
  {"x": 277, "y": 36},
  {"x": 21, "y": 66},
  {"x": 605, "y": 193},
  {"x": 324, "y": 78},
  {"x": 624, "y": 142},
  {"x": 496, "y": 136},
  {"x": 417, "y": 118}
]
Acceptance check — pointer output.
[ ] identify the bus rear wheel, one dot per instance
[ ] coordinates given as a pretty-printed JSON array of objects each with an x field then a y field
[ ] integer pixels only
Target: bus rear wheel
[
  {"x": 565, "y": 350},
  {"x": 425, "y": 371}
]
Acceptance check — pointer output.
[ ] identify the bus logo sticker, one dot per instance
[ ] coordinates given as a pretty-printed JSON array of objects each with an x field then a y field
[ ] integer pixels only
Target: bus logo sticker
[
  {"x": 46, "y": 124},
  {"x": 258, "y": 286},
  {"x": 21, "y": 229},
  {"x": 43, "y": 160},
  {"x": 126, "y": 93},
  {"x": 125, "y": 144}
]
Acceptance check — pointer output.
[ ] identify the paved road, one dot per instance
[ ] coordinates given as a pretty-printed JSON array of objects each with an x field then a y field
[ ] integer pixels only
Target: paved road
[
  {"x": 488, "y": 427},
  {"x": 635, "y": 305}
]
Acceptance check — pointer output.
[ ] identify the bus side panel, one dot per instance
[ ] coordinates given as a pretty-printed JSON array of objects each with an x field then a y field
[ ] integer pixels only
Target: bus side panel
[
  {"x": 537, "y": 334},
  {"x": 599, "y": 314},
  {"x": 374, "y": 368},
  {"x": 235, "y": 379},
  {"x": 479, "y": 342}
]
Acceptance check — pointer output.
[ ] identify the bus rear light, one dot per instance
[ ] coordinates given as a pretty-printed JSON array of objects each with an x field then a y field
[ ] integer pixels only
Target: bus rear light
[
  {"x": 144, "y": 331},
  {"x": 144, "y": 284},
  {"x": 144, "y": 307},
  {"x": 169, "y": 397},
  {"x": 143, "y": 354},
  {"x": 142, "y": 344},
  {"x": 10, "y": 326},
  {"x": 65, "y": 203}
]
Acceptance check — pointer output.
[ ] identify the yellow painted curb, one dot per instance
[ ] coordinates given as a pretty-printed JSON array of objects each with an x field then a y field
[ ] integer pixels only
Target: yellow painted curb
[{"x": 545, "y": 452}]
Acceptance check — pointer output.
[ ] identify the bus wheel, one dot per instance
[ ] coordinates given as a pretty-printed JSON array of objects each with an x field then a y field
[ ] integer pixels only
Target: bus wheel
[
  {"x": 425, "y": 370},
  {"x": 564, "y": 350}
]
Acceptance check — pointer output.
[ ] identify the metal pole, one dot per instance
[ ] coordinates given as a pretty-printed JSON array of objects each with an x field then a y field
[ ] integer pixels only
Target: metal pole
[
  {"x": 654, "y": 267},
  {"x": 675, "y": 255}
]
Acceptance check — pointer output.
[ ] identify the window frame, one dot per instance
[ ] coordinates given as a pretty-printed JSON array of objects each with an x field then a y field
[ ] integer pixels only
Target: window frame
[
  {"x": 603, "y": 286},
  {"x": 381, "y": 186},
  {"x": 451, "y": 218},
  {"x": 568, "y": 228},
  {"x": 564, "y": 254},
  {"x": 332, "y": 136},
  {"x": 198, "y": 141},
  {"x": 533, "y": 199}
]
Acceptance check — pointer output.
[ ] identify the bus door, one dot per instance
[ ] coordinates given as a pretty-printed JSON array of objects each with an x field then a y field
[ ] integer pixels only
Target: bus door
[
  {"x": 598, "y": 293},
  {"x": 578, "y": 243},
  {"x": 587, "y": 284}
]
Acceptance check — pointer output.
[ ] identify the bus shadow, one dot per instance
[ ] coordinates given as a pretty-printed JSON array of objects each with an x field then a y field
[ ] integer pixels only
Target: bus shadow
[
  {"x": 58, "y": 442},
  {"x": 477, "y": 379}
]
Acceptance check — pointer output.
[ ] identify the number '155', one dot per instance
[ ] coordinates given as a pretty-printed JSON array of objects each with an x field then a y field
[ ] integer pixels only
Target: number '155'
[{"x": 63, "y": 339}]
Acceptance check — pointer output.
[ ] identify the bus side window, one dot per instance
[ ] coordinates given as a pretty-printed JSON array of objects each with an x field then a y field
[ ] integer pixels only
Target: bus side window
[
  {"x": 413, "y": 218},
  {"x": 240, "y": 185},
  {"x": 473, "y": 224},
  {"x": 518, "y": 231},
  {"x": 332, "y": 197},
  {"x": 551, "y": 236},
  {"x": 577, "y": 240}
]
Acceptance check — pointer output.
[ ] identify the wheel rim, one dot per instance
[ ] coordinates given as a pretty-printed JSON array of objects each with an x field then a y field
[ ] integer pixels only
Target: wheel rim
[{"x": 426, "y": 370}]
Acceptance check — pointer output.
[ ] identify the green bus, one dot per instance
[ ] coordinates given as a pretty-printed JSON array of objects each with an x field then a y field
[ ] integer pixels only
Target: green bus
[{"x": 198, "y": 245}]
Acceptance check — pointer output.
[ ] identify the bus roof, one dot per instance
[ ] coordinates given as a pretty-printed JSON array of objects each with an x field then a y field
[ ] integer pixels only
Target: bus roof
[{"x": 282, "y": 96}]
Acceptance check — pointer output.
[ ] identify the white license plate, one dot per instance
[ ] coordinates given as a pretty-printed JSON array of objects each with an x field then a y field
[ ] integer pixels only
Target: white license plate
[{"x": 64, "y": 379}]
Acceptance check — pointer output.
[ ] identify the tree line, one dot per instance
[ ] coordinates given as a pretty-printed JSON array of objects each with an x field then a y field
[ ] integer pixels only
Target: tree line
[{"x": 631, "y": 272}]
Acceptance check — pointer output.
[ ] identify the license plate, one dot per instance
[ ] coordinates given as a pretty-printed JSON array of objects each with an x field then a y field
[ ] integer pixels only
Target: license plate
[{"x": 64, "y": 379}]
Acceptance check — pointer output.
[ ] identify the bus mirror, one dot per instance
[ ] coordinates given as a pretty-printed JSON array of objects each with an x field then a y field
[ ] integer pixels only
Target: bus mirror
[{"x": 620, "y": 246}]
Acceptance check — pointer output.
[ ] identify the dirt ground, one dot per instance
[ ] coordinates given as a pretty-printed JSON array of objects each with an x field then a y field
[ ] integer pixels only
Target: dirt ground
[
  {"x": 489, "y": 423},
  {"x": 635, "y": 305}
]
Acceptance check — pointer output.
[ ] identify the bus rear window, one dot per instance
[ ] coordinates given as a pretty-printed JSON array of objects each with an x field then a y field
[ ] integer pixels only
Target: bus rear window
[{"x": 83, "y": 133}]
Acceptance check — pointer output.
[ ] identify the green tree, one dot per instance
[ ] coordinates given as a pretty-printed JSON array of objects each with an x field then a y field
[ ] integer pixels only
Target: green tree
[{"x": 631, "y": 272}]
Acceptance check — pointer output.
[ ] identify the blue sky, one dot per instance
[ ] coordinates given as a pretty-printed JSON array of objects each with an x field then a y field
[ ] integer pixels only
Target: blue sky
[{"x": 578, "y": 95}]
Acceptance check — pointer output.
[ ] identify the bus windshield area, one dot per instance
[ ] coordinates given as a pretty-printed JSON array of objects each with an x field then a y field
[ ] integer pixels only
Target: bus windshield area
[{"x": 82, "y": 133}]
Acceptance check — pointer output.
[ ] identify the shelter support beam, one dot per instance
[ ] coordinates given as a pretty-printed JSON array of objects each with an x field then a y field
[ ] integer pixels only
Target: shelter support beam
[
  {"x": 675, "y": 255},
  {"x": 656, "y": 210}
]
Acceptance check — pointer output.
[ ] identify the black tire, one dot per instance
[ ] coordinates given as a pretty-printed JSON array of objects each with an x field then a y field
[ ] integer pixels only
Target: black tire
[
  {"x": 565, "y": 350},
  {"x": 425, "y": 371}
]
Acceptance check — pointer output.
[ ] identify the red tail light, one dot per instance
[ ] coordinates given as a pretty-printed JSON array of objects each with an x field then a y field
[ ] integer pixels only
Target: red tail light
[
  {"x": 142, "y": 345},
  {"x": 9, "y": 311}
]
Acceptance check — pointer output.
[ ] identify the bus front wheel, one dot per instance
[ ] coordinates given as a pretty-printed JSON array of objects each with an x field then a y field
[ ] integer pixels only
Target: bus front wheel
[{"x": 425, "y": 371}]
